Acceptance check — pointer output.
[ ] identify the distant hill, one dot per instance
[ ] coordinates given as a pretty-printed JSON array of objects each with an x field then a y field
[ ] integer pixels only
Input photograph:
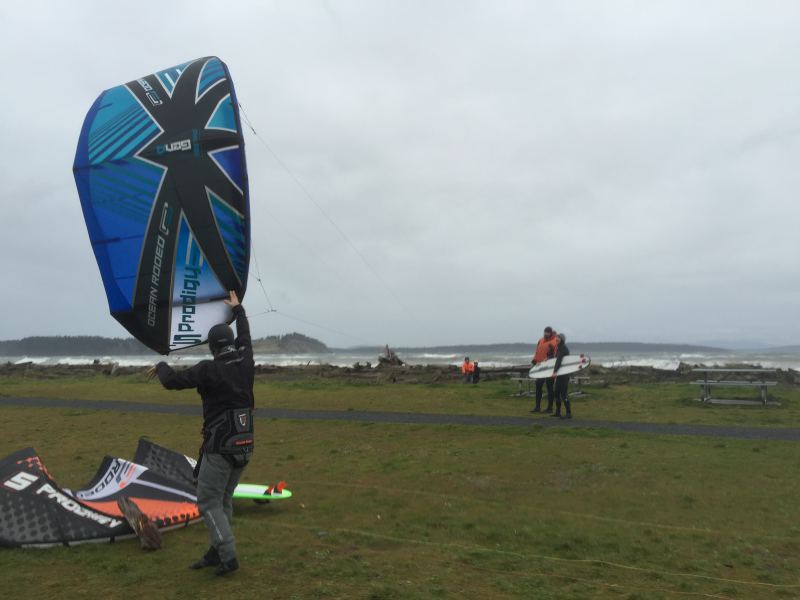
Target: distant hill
[
  {"x": 779, "y": 349},
  {"x": 83, "y": 345},
  {"x": 292, "y": 343},
  {"x": 523, "y": 348},
  {"x": 639, "y": 347},
  {"x": 297, "y": 343}
]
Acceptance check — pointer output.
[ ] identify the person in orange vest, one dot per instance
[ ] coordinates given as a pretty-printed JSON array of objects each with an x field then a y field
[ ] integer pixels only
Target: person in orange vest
[
  {"x": 545, "y": 349},
  {"x": 467, "y": 369}
]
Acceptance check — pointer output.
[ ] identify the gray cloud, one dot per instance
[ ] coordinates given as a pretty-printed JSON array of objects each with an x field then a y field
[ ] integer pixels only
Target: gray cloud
[{"x": 618, "y": 170}]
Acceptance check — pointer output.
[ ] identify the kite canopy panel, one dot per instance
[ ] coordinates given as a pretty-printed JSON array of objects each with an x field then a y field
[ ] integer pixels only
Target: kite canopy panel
[
  {"x": 179, "y": 469},
  {"x": 35, "y": 511},
  {"x": 165, "y": 502},
  {"x": 160, "y": 170}
]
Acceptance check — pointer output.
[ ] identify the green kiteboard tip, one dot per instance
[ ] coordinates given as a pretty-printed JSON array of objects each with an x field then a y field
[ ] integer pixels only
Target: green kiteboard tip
[{"x": 249, "y": 491}]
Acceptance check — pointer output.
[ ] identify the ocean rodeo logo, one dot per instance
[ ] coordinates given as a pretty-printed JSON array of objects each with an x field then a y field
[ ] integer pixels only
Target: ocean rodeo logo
[{"x": 158, "y": 259}]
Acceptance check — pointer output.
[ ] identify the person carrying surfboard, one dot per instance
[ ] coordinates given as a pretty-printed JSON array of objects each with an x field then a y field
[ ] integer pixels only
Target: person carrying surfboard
[
  {"x": 545, "y": 349},
  {"x": 225, "y": 385},
  {"x": 562, "y": 381}
]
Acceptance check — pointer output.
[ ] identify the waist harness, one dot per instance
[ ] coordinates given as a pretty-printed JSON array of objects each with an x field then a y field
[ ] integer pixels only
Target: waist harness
[{"x": 230, "y": 433}]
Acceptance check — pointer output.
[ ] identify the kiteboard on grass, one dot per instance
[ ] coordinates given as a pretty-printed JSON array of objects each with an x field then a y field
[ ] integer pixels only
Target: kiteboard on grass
[
  {"x": 569, "y": 364},
  {"x": 261, "y": 494}
]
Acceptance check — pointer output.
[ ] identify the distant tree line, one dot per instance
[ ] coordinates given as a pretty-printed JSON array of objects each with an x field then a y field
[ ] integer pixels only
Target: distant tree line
[
  {"x": 82, "y": 345},
  {"x": 296, "y": 343},
  {"x": 522, "y": 348},
  {"x": 85, "y": 345}
]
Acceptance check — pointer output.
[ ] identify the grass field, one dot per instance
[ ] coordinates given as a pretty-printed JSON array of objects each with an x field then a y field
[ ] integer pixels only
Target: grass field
[
  {"x": 413, "y": 511},
  {"x": 650, "y": 403}
]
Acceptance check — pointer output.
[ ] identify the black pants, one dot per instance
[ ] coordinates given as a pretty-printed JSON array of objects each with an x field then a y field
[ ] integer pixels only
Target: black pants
[
  {"x": 539, "y": 385},
  {"x": 562, "y": 395}
]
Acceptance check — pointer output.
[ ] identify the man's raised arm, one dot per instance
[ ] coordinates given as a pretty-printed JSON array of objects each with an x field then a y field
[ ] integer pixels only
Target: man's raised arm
[{"x": 243, "y": 340}]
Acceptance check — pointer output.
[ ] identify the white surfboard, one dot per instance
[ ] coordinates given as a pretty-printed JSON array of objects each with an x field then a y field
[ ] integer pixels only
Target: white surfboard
[{"x": 570, "y": 364}]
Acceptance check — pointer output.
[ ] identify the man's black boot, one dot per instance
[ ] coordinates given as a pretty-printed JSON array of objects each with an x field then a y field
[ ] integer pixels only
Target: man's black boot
[
  {"x": 210, "y": 559},
  {"x": 568, "y": 415},
  {"x": 228, "y": 566}
]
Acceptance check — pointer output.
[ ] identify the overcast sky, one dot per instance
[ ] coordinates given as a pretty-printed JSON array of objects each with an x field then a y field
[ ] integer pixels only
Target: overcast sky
[{"x": 619, "y": 170}]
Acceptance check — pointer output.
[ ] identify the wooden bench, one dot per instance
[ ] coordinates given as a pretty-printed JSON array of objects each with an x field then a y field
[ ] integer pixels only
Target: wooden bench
[{"x": 707, "y": 383}]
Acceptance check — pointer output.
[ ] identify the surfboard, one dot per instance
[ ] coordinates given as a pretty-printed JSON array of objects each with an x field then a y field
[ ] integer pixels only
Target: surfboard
[
  {"x": 570, "y": 364},
  {"x": 261, "y": 493}
]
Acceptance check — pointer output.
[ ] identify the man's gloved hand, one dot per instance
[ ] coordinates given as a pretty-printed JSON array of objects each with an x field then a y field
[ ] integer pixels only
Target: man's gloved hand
[{"x": 233, "y": 301}]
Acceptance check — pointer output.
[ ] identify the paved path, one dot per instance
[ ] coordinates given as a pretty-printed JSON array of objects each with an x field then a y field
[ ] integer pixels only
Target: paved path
[{"x": 743, "y": 433}]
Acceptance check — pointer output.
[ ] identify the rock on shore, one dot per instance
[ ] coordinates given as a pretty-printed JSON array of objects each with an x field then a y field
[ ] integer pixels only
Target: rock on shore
[{"x": 382, "y": 373}]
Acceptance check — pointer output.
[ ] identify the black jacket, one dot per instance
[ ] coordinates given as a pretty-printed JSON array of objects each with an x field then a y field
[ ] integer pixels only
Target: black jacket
[
  {"x": 560, "y": 354},
  {"x": 224, "y": 383}
]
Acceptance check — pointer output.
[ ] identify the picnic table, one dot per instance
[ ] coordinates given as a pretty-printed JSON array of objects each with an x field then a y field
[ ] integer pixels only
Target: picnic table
[
  {"x": 578, "y": 383},
  {"x": 751, "y": 378},
  {"x": 526, "y": 386}
]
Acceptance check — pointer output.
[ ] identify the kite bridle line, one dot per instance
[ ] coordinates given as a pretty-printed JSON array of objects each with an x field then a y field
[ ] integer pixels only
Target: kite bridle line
[
  {"x": 258, "y": 276},
  {"x": 322, "y": 211},
  {"x": 272, "y": 309},
  {"x": 345, "y": 284}
]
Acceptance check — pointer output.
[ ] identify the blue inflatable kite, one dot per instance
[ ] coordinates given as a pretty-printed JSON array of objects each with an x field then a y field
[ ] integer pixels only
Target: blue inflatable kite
[{"x": 160, "y": 170}]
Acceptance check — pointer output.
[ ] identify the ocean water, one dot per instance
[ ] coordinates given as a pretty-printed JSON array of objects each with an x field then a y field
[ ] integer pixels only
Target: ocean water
[{"x": 659, "y": 360}]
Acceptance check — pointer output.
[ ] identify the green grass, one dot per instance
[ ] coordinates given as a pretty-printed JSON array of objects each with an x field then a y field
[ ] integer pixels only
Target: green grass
[
  {"x": 417, "y": 511},
  {"x": 653, "y": 403}
]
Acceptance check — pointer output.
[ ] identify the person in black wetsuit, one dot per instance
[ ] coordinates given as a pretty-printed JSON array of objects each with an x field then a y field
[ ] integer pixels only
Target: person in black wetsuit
[
  {"x": 225, "y": 385},
  {"x": 562, "y": 381}
]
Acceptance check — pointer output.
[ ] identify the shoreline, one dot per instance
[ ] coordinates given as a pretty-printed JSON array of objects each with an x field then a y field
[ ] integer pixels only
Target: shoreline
[
  {"x": 663, "y": 361},
  {"x": 601, "y": 375}
]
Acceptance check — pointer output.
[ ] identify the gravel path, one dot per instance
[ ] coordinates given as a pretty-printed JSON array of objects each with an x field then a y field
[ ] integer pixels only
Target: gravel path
[{"x": 743, "y": 433}]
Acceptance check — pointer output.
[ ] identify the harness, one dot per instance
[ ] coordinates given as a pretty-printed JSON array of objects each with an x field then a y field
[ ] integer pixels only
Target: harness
[
  {"x": 231, "y": 436},
  {"x": 230, "y": 433}
]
